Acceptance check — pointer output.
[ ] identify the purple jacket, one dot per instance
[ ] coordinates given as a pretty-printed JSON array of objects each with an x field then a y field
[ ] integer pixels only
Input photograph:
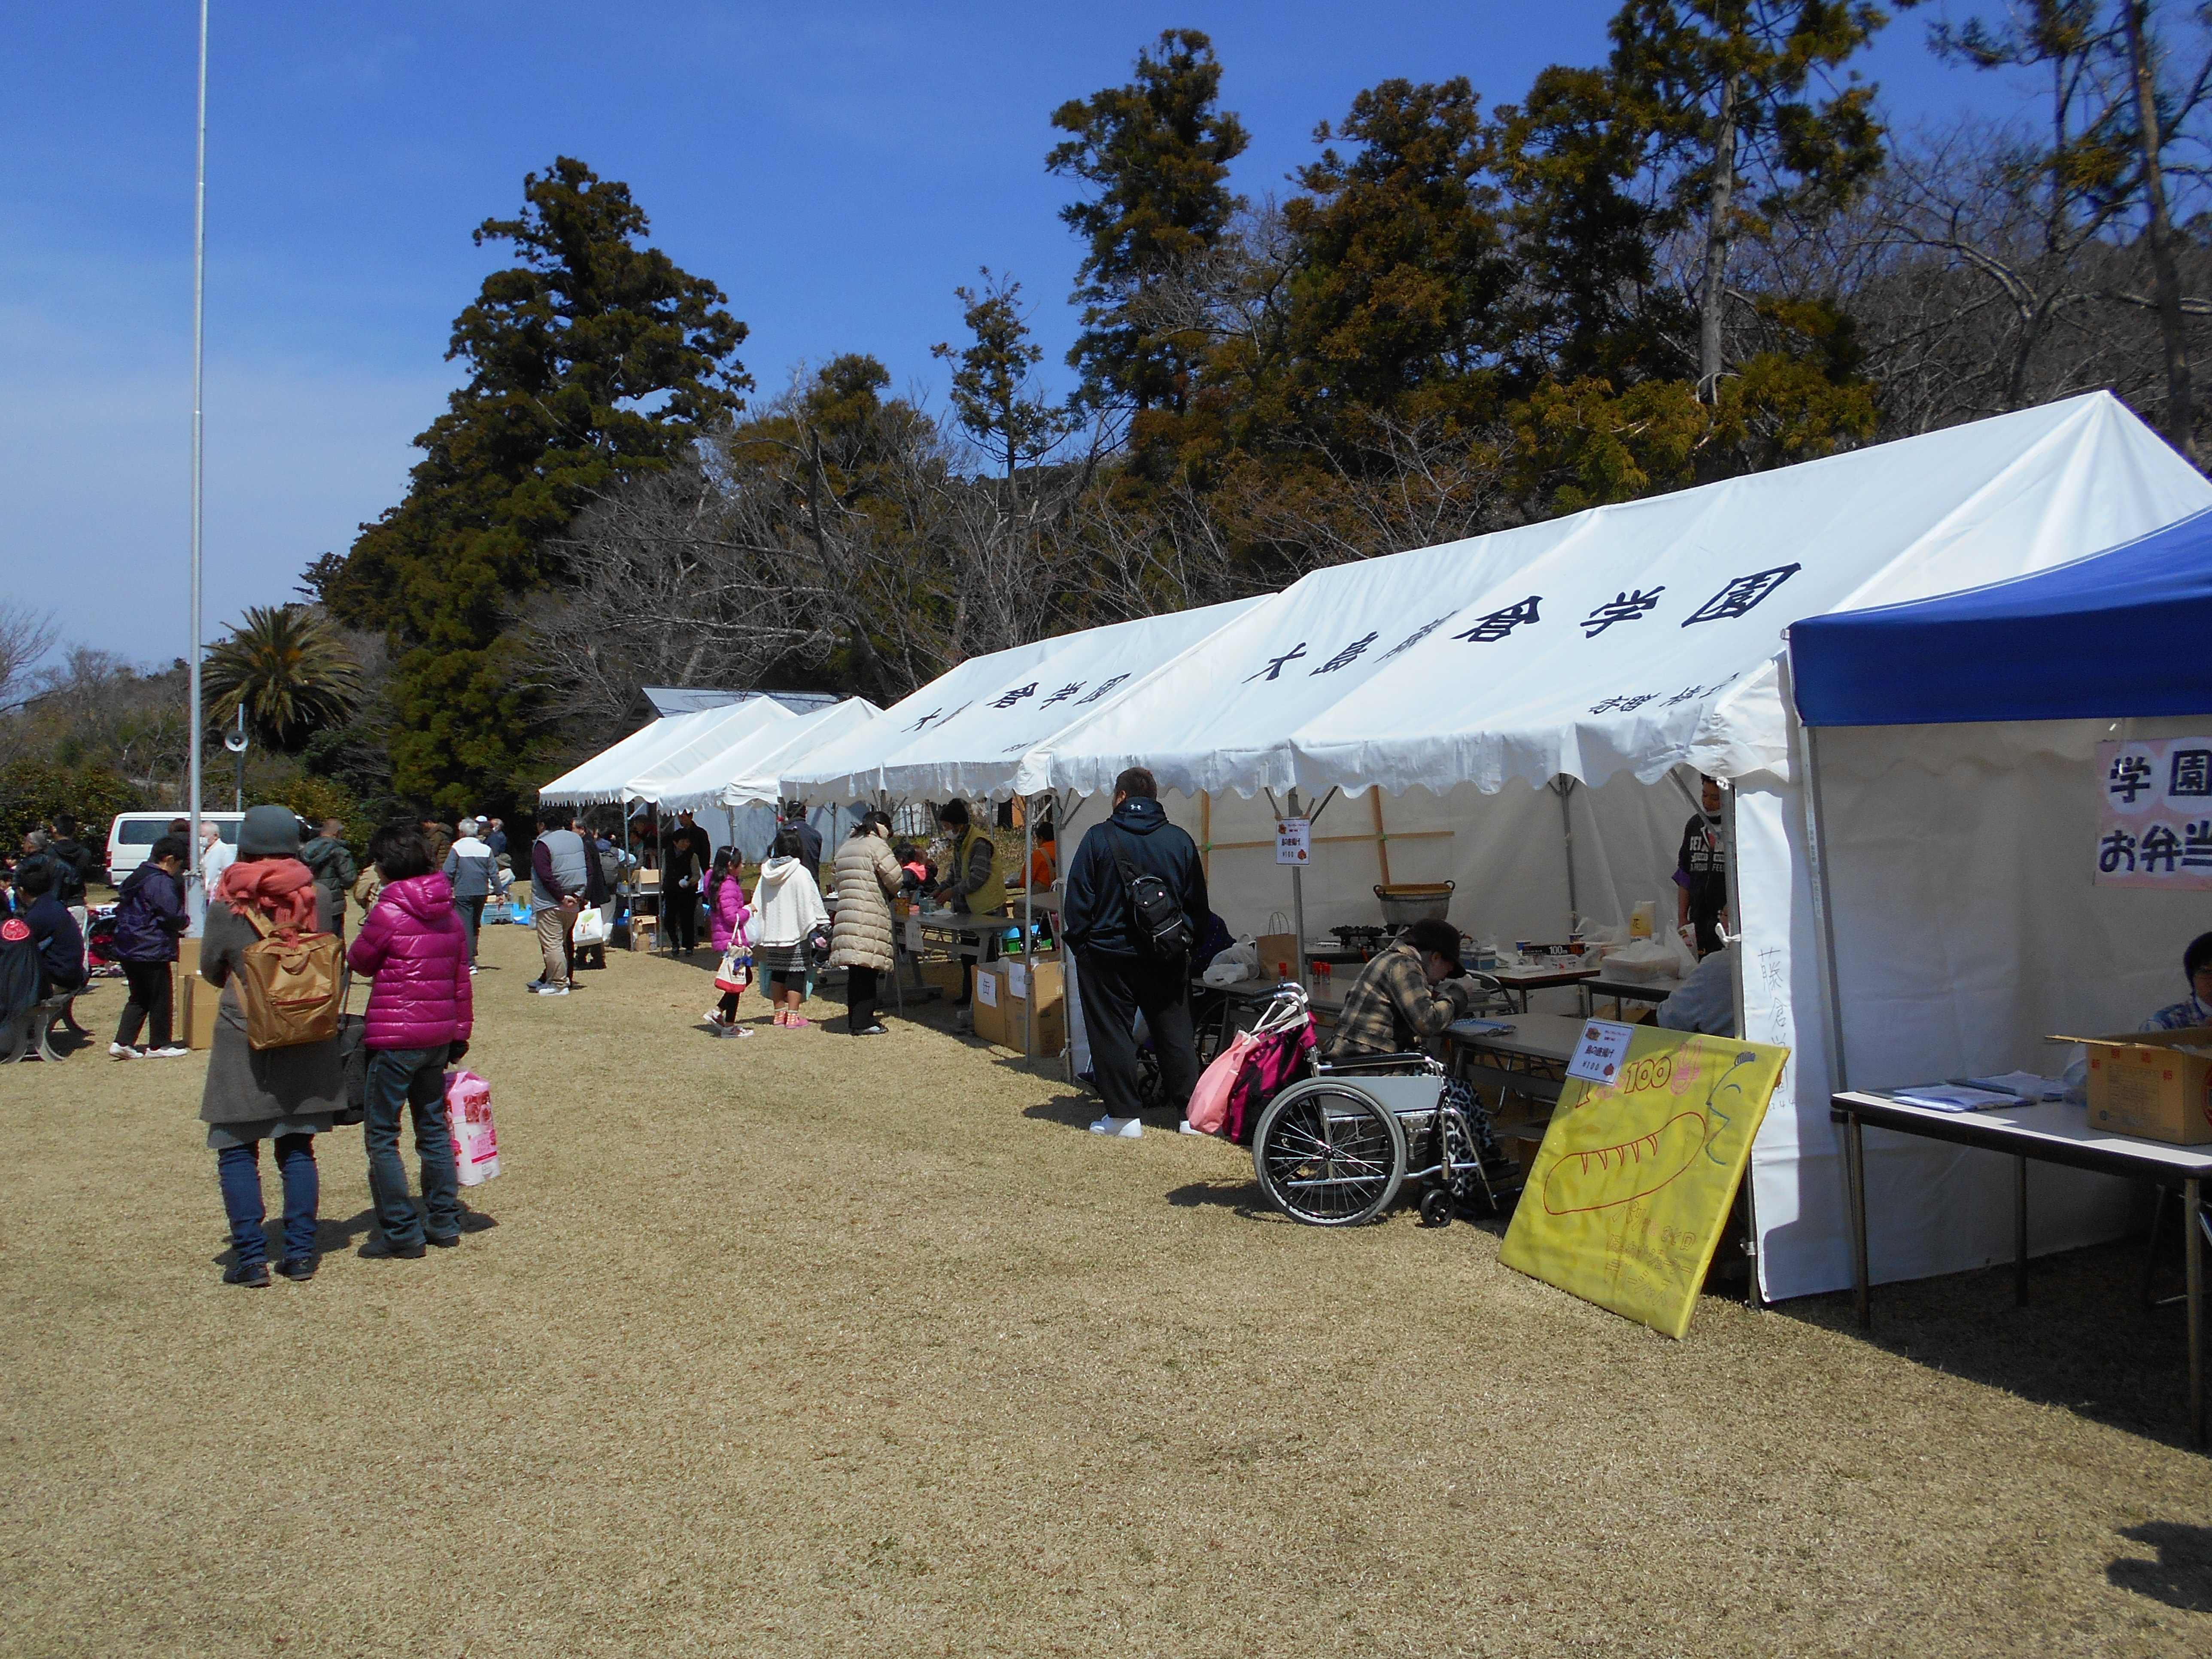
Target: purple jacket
[
  {"x": 151, "y": 916},
  {"x": 414, "y": 946},
  {"x": 727, "y": 916}
]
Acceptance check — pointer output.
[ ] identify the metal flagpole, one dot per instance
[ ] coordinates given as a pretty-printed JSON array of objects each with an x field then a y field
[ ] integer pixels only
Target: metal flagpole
[{"x": 199, "y": 363}]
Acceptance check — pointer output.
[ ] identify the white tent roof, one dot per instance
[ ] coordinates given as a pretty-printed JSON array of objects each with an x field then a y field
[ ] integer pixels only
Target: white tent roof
[
  {"x": 602, "y": 777},
  {"x": 1494, "y": 658},
  {"x": 852, "y": 769},
  {"x": 759, "y": 780},
  {"x": 977, "y": 751},
  {"x": 690, "y": 775}
]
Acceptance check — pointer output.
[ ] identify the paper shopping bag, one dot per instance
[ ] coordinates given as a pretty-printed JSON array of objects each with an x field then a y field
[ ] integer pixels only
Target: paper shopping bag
[{"x": 468, "y": 1116}]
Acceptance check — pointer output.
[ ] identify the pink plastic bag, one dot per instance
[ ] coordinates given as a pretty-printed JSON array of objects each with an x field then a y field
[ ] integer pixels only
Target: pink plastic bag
[
  {"x": 1208, "y": 1111},
  {"x": 468, "y": 1115},
  {"x": 1276, "y": 1060}
]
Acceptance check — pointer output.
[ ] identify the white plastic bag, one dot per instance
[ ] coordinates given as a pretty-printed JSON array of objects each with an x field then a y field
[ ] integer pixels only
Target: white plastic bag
[
  {"x": 468, "y": 1118},
  {"x": 591, "y": 928},
  {"x": 1236, "y": 963}
]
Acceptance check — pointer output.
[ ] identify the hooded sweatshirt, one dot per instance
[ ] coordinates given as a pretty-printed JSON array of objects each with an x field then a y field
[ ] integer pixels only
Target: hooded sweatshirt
[
  {"x": 414, "y": 945},
  {"x": 1094, "y": 908},
  {"x": 787, "y": 905},
  {"x": 150, "y": 916},
  {"x": 727, "y": 913}
]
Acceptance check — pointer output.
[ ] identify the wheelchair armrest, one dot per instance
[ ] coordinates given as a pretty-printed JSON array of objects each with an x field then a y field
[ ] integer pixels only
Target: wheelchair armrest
[{"x": 1372, "y": 1063}]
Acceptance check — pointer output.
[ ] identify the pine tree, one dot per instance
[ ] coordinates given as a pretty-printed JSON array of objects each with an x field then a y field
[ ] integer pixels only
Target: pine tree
[
  {"x": 993, "y": 397},
  {"x": 1158, "y": 150},
  {"x": 592, "y": 358},
  {"x": 1724, "y": 93}
]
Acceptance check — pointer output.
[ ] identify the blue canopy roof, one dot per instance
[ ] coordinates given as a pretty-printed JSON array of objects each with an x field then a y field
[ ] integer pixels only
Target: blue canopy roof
[{"x": 2124, "y": 632}]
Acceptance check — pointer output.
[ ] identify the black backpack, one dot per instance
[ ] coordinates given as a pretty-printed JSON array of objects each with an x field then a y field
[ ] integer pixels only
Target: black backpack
[{"x": 1163, "y": 932}]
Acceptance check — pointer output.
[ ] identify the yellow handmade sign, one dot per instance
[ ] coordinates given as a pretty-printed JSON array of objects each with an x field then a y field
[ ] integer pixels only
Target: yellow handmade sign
[{"x": 1632, "y": 1189}]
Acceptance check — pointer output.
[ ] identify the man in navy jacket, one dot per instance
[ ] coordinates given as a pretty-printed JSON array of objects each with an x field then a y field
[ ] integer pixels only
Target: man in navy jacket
[{"x": 1116, "y": 978}]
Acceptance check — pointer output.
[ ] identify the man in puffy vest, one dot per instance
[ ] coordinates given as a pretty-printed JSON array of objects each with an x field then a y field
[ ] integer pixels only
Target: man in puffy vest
[{"x": 1118, "y": 975}]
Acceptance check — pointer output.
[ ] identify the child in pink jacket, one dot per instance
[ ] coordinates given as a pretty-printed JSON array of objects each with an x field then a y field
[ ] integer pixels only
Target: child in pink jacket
[
  {"x": 416, "y": 949},
  {"x": 729, "y": 919}
]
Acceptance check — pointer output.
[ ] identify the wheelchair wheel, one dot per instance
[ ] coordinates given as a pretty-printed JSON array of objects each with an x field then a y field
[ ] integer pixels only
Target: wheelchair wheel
[{"x": 1327, "y": 1154}]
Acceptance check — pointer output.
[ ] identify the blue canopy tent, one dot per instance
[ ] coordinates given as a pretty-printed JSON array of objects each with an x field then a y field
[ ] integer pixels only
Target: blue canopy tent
[
  {"x": 1965, "y": 838},
  {"x": 2121, "y": 633}
]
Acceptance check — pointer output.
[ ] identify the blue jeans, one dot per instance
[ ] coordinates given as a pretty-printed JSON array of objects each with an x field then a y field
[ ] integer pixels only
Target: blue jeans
[
  {"x": 239, "y": 1169},
  {"x": 415, "y": 1079}
]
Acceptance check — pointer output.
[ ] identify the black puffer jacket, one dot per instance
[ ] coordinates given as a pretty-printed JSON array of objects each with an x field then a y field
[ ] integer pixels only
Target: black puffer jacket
[{"x": 1094, "y": 905}]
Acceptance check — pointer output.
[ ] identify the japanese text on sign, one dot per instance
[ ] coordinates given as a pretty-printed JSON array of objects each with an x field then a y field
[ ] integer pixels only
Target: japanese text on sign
[
  {"x": 1293, "y": 840},
  {"x": 1598, "y": 1055},
  {"x": 2155, "y": 826}
]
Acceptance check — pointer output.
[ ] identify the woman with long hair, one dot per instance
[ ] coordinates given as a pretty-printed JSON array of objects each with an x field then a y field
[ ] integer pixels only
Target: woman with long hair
[{"x": 789, "y": 907}]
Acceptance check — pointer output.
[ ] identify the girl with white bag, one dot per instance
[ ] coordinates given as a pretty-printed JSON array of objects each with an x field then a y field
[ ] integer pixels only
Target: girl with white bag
[{"x": 730, "y": 920}]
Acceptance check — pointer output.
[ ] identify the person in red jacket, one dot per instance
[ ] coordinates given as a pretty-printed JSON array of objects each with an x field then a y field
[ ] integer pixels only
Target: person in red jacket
[{"x": 420, "y": 1014}]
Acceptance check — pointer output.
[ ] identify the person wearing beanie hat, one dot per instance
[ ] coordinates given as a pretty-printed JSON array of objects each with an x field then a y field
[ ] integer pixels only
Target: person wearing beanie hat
[{"x": 286, "y": 1095}]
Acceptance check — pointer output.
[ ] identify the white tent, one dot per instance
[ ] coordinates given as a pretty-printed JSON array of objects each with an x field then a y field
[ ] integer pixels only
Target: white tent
[
  {"x": 977, "y": 752},
  {"x": 603, "y": 777},
  {"x": 852, "y": 769},
  {"x": 760, "y": 783},
  {"x": 1619, "y": 644}
]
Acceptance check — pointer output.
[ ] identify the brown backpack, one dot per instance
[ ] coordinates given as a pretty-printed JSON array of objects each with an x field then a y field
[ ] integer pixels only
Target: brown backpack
[{"x": 292, "y": 985}]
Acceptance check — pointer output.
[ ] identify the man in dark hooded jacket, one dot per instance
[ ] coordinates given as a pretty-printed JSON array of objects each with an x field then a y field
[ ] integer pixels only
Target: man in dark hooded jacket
[{"x": 1116, "y": 976}]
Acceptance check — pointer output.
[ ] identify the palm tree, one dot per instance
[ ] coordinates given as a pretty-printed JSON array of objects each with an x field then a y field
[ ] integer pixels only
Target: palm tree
[{"x": 287, "y": 665}]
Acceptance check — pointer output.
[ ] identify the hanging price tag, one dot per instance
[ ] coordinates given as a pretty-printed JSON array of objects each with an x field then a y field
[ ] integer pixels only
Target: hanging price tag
[{"x": 1293, "y": 840}]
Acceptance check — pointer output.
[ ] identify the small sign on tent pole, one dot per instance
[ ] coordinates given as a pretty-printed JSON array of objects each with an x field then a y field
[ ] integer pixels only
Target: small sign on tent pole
[{"x": 1293, "y": 840}]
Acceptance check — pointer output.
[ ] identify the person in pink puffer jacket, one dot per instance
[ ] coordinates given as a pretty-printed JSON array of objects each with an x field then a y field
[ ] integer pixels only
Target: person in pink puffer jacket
[
  {"x": 415, "y": 947},
  {"x": 730, "y": 918}
]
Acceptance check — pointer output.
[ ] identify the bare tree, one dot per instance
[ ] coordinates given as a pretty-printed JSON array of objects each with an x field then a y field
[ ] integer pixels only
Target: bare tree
[{"x": 26, "y": 636}]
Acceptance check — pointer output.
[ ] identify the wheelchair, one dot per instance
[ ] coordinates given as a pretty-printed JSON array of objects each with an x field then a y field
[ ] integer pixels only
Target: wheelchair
[{"x": 1337, "y": 1147}]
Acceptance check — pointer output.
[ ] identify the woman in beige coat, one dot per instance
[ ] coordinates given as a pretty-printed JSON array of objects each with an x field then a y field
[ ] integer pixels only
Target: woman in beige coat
[{"x": 868, "y": 876}]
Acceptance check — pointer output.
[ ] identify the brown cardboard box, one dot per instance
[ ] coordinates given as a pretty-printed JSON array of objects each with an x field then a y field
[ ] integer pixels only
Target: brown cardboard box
[
  {"x": 993, "y": 1002},
  {"x": 196, "y": 1004},
  {"x": 1051, "y": 1030},
  {"x": 2139, "y": 1085}
]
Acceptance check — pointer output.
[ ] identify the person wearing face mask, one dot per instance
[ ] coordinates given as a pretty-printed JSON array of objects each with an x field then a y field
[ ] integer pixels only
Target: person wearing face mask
[{"x": 1701, "y": 872}]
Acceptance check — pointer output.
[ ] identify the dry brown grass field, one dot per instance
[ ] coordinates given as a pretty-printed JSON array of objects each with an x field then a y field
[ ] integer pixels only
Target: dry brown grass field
[{"x": 803, "y": 1344}]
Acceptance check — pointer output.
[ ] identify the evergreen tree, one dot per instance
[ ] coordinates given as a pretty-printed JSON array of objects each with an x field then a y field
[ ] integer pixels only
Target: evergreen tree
[
  {"x": 1400, "y": 269},
  {"x": 1723, "y": 93},
  {"x": 592, "y": 358},
  {"x": 1158, "y": 150},
  {"x": 994, "y": 398}
]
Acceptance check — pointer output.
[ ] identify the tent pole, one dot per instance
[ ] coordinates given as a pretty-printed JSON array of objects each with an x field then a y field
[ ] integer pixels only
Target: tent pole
[
  {"x": 1206, "y": 833},
  {"x": 1753, "y": 1296},
  {"x": 1297, "y": 908},
  {"x": 1028, "y": 928},
  {"x": 1564, "y": 787},
  {"x": 1382, "y": 840}
]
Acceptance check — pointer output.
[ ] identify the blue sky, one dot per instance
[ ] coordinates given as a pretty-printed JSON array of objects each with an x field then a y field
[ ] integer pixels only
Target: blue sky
[{"x": 837, "y": 170}]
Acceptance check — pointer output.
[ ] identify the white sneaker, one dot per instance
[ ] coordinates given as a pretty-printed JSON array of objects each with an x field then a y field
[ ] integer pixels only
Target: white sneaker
[
  {"x": 551, "y": 990},
  {"x": 123, "y": 1051},
  {"x": 735, "y": 1029},
  {"x": 717, "y": 1018},
  {"x": 1122, "y": 1128},
  {"x": 1187, "y": 1127},
  {"x": 171, "y": 1052}
]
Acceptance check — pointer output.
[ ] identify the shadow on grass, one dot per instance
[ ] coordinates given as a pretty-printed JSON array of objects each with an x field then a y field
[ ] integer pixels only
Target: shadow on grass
[
  {"x": 1069, "y": 1111},
  {"x": 2085, "y": 1343},
  {"x": 2181, "y": 1576}
]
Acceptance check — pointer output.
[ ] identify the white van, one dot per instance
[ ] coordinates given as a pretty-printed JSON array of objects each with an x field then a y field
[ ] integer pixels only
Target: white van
[{"x": 133, "y": 834}]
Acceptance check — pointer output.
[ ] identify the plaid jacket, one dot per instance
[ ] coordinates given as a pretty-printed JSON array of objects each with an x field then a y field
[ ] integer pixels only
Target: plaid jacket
[{"x": 1391, "y": 1006}]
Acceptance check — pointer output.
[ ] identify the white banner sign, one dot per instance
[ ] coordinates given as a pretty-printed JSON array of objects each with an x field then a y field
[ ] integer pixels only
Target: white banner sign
[
  {"x": 1293, "y": 840},
  {"x": 2155, "y": 827}
]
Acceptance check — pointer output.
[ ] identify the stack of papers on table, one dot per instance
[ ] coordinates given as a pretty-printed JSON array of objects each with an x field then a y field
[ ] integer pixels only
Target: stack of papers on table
[
  {"x": 2026, "y": 1085},
  {"x": 1954, "y": 1097},
  {"x": 1479, "y": 1027}
]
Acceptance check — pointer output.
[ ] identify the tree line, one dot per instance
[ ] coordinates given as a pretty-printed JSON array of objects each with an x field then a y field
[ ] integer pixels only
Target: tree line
[{"x": 1704, "y": 255}]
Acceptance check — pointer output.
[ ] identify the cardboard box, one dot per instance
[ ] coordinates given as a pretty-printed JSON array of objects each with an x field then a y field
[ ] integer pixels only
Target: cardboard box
[
  {"x": 2140, "y": 1085},
  {"x": 992, "y": 1001},
  {"x": 1051, "y": 1023},
  {"x": 196, "y": 1003}
]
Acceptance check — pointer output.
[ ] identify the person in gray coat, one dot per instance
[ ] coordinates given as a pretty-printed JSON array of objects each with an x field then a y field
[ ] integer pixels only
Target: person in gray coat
[
  {"x": 472, "y": 868},
  {"x": 281, "y": 1095}
]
